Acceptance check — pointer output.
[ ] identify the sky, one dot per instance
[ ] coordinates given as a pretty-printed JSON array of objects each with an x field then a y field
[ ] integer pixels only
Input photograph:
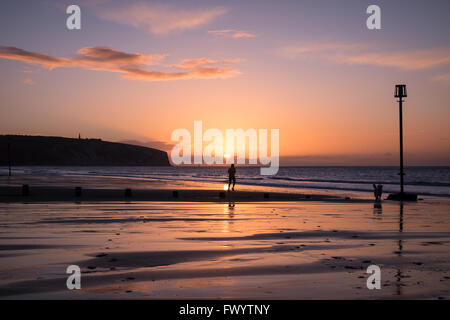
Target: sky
[{"x": 138, "y": 70}]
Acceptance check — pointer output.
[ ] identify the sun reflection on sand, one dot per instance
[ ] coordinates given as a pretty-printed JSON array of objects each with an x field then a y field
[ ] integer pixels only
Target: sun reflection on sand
[{"x": 228, "y": 210}]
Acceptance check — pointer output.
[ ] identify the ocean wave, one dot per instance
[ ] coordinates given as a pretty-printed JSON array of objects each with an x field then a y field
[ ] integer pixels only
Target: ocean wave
[{"x": 411, "y": 183}]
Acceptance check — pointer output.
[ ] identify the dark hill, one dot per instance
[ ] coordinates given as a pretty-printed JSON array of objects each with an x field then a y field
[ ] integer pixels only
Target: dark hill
[{"x": 58, "y": 151}]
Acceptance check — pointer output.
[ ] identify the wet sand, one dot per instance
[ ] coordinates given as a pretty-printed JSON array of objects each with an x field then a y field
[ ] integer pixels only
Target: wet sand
[
  {"x": 58, "y": 194},
  {"x": 106, "y": 188},
  {"x": 245, "y": 250},
  {"x": 103, "y": 189}
]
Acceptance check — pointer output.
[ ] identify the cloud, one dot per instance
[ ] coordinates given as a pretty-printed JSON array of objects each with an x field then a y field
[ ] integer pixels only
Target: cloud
[
  {"x": 28, "y": 70},
  {"x": 358, "y": 54},
  {"x": 130, "y": 65},
  {"x": 236, "y": 34},
  {"x": 13, "y": 53},
  {"x": 193, "y": 63},
  {"x": 443, "y": 78},
  {"x": 198, "y": 73},
  {"x": 111, "y": 56},
  {"x": 204, "y": 62},
  {"x": 408, "y": 60},
  {"x": 161, "y": 19},
  {"x": 28, "y": 81},
  {"x": 298, "y": 51}
]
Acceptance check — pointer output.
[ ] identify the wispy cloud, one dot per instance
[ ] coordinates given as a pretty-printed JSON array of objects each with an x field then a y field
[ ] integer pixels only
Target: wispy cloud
[
  {"x": 105, "y": 55},
  {"x": 28, "y": 81},
  {"x": 161, "y": 19},
  {"x": 13, "y": 53},
  {"x": 130, "y": 65},
  {"x": 229, "y": 33},
  {"x": 443, "y": 78},
  {"x": 28, "y": 70},
  {"x": 193, "y": 63},
  {"x": 359, "y": 54},
  {"x": 326, "y": 48},
  {"x": 204, "y": 62},
  {"x": 408, "y": 60}
]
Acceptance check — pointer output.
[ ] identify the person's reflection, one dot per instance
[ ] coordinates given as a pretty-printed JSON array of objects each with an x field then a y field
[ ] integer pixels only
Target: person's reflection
[
  {"x": 229, "y": 211},
  {"x": 231, "y": 205},
  {"x": 377, "y": 208}
]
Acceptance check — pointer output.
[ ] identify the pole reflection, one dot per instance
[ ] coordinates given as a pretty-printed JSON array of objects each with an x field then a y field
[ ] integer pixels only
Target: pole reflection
[{"x": 399, "y": 275}]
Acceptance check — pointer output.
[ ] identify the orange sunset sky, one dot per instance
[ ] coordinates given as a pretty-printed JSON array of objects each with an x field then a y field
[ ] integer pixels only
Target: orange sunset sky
[{"x": 138, "y": 70}]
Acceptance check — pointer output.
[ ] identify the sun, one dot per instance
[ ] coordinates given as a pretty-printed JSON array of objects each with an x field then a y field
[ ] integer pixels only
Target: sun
[{"x": 226, "y": 155}]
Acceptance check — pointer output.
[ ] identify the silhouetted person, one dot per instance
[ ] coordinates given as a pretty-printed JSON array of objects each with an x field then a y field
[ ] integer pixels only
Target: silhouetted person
[
  {"x": 231, "y": 176},
  {"x": 377, "y": 191},
  {"x": 380, "y": 191}
]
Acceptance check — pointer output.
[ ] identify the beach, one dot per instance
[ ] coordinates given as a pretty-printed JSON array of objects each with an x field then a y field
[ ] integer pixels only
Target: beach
[{"x": 306, "y": 245}]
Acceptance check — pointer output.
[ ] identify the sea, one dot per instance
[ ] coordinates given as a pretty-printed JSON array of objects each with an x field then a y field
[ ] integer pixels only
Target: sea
[{"x": 431, "y": 181}]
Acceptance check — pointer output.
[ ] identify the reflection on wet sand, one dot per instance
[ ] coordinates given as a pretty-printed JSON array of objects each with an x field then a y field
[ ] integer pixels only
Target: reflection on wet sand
[
  {"x": 399, "y": 275},
  {"x": 249, "y": 250},
  {"x": 377, "y": 208}
]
